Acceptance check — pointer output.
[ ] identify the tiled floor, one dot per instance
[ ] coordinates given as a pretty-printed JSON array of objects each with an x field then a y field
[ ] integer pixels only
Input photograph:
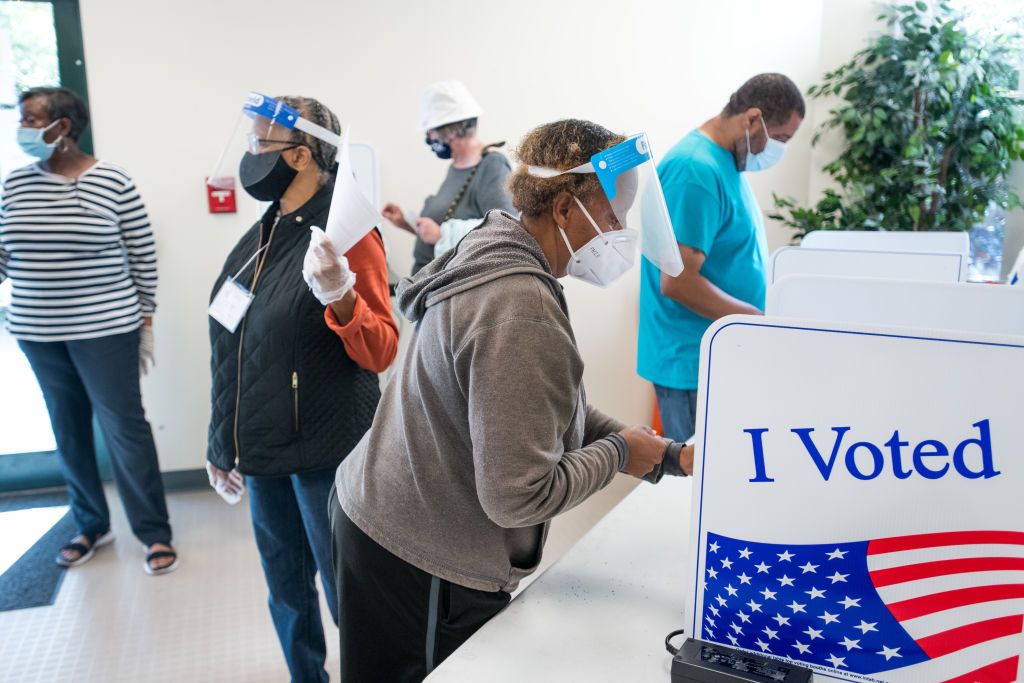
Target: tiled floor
[{"x": 207, "y": 621}]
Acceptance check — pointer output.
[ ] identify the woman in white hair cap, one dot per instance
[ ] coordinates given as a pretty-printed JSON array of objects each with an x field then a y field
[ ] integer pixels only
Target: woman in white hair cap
[{"x": 475, "y": 182}]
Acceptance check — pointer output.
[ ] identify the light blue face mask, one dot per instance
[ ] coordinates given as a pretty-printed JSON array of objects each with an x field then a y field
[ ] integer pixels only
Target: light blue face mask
[
  {"x": 32, "y": 143},
  {"x": 767, "y": 157}
]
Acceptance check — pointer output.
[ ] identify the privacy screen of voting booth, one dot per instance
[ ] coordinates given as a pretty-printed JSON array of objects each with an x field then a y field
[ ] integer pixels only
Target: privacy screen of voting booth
[{"x": 858, "y": 504}]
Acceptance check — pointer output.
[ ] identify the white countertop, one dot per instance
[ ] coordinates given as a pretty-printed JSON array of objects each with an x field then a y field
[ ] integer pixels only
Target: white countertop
[{"x": 602, "y": 611}]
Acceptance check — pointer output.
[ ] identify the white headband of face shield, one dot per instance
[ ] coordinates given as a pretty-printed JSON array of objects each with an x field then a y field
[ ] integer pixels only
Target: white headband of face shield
[{"x": 606, "y": 256}]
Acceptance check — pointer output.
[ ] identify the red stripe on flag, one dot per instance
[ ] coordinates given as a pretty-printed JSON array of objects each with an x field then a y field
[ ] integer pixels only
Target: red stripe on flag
[
  {"x": 937, "y": 602},
  {"x": 1000, "y": 672},
  {"x": 898, "y": 543},
  {"x": 927, "y": 570},
  {"x": 955, "y": 639}
]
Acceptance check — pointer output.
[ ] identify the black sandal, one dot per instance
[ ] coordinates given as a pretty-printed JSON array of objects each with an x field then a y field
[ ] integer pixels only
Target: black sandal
[
  {"x": 85, "y": 552},
  {"x": 156, "y": 555}
]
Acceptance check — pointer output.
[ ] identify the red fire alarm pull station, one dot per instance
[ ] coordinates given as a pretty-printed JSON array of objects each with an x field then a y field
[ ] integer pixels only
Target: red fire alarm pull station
[{"x": 220, "y": 195}]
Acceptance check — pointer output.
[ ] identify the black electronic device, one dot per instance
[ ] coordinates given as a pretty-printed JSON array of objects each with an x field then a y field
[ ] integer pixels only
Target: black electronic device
[{"x": 699, "y": 662}]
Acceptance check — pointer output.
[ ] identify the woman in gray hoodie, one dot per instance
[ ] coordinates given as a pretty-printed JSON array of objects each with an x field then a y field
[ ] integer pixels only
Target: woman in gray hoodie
[{"x": 484, "y": 434}]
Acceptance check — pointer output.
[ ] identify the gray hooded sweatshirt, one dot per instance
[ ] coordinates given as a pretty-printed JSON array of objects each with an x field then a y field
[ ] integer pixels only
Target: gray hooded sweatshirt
[{"x": 484, "y": 434}]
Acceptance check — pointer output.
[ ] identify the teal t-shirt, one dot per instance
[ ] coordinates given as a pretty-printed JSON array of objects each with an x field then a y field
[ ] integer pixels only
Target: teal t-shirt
[{"x": 714, "y": 210}]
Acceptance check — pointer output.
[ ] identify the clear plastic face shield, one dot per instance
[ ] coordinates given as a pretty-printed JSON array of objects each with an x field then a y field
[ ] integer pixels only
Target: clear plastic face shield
[
  {"x": 629, "y": 178},
  {"x": 265, "y": 128}
]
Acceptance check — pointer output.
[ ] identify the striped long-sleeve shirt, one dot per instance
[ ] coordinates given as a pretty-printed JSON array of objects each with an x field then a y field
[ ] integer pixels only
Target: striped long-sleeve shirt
[{"x": 79, "y": 252}]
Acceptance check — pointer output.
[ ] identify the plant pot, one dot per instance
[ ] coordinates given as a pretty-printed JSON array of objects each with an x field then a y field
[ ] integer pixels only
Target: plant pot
[{"x": 986, "y": 259}]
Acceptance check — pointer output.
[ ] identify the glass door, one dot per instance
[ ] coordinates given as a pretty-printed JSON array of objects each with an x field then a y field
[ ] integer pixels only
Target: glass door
[{"x": 40, "y": 44}]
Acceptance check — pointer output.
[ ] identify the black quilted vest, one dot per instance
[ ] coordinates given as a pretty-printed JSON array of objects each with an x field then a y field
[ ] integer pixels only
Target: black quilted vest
[{"x": 286, "y": 397}]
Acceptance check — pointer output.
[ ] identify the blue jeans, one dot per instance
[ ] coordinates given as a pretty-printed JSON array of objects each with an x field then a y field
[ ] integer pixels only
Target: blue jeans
[
  {"x": 293, "y": 535},
  {"x": 678, "y": 409},
  {"x": 101, "y": 376}
]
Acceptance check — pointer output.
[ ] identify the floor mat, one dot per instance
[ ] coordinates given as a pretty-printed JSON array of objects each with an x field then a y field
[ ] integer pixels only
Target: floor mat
[{"x": 34, "y": 579}]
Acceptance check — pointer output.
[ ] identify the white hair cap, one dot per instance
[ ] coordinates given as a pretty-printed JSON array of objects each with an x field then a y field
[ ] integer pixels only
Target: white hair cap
[{"x": 446, "y": 102}]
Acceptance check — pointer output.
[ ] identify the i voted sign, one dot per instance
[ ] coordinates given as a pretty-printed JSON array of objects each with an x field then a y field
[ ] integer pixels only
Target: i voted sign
[{"x": 858, "y": 502}]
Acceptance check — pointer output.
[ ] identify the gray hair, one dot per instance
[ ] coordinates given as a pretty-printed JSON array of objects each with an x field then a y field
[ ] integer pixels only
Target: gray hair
[{"x": 456, "y": 129}]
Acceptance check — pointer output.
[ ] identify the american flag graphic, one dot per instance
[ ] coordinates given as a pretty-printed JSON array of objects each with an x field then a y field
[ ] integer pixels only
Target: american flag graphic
[{"x": 950, "y": 605}]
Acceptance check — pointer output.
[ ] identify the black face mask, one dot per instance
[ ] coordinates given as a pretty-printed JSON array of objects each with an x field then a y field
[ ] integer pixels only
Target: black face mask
[
  {"x": 265, "y": 176},
  {"x": 442, "y": 149}
]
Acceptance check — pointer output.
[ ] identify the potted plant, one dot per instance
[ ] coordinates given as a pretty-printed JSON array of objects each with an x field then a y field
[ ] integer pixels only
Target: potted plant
[{"x": 930, "y": 124}]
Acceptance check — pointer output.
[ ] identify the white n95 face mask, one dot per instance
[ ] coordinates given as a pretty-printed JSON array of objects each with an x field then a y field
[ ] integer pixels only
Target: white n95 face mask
[
  {"x": 605, "y": 258},
  {"x": 767, "y": 157}
]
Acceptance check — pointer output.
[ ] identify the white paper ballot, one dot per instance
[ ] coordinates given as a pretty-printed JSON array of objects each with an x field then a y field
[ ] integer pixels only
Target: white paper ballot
[
  {"x": 229, "y": 306},
  {"x": 352, "y": 215}
]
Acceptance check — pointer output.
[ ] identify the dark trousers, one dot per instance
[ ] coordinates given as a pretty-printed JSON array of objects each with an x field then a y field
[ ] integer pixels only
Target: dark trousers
[
  {"x": 678, "y": 410},
  {"x": 101, "y": 375},
  {"x": 398, "y": 622},
  {"x": 293, "y": 535}
]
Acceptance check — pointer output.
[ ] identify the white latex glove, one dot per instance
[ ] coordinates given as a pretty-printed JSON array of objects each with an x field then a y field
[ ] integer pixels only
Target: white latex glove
[
  {"x": 229, "y": 485},
  {"x": 324, "y": 270},
  {"x": 147, "y": 359}
]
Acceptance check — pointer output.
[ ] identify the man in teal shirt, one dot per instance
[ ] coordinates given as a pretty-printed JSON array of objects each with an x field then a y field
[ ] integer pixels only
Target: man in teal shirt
[{"x": 720, "y": 231}]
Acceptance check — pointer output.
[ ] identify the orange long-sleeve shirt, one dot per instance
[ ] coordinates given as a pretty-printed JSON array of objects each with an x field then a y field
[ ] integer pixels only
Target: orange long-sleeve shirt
[{"x": 371, "y": 337}]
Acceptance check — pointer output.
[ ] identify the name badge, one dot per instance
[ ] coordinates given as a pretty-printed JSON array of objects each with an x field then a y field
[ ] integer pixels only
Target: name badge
[{"x": 230, "y": 305}]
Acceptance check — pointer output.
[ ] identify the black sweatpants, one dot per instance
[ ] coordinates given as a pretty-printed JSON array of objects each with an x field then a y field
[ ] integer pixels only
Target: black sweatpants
[{"x": 397, "y": 622}]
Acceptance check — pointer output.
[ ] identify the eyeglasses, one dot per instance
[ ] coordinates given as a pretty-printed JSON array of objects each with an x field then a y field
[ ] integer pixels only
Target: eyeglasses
[{"x": 257, "y": 144}]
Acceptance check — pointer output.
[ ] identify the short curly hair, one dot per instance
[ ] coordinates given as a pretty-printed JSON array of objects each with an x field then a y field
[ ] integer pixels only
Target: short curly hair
[
  {"x": 62, "y": 103},
  {"x": 324, "y": 153},
  {"x": 775, "y": 95},
  {"x": 560, "y": 145}
]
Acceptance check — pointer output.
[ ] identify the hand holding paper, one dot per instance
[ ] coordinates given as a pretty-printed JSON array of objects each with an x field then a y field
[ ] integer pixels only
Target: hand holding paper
[{"x": 325, "y": 271}]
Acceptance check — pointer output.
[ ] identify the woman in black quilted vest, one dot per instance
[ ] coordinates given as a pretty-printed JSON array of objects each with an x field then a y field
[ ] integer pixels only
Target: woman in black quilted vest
[{"x": 295, "y": 382}]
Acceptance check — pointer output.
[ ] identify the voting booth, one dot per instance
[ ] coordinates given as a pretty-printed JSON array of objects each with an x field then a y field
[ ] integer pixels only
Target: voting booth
[
  {"x": 857, "y": 501},
  {"x": 931, "y": 305},
  {"x": 893, "y": 265},
  {"x": 880, "y": 240}
]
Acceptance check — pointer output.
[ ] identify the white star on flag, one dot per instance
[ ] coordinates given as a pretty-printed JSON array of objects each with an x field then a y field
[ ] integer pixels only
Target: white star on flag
[
  {"x": 721, "y": 600},
  {"x": 713, "y": 548},
  {"x": 754, "y": 607},
  {"x": 815, "y": 593},
  {"x": 813, "y": 633},
  {"x": 772, "y": 635},
  {"x": 727, "y": 563},
  {"x": 796, "y": 607},
  {"x": 837, "y": 554},
  {"x": 730, "y": 590},
  {"x": 837, "y": 662},
  {"x": 761, "y": 644},
  {"x": 865, "y": 626},
  {"x": 838, "y": 578},
  {"x": 785, "y": 580},
  {"x": 782, "y": 621},
  {"x": 744, "y": 578},
  {"x": 745, "y": 554},
  {"x": 801, "y": 648},
  {"x": 850, "y": 602},
  {"x": 850, "y": 644},
  {"x": 768, "y": 595},
  {"x": 733, "y": 640},
  {"x": 890, "y": 652},
  {"x": 713, "y": 573},
  {"x": 744, "y": 617},
  {"x": 762, "y": 568},
  {"x": 809, "y": 568},
  {"x": 830, "y": 618},
  {"x": 785, "y": 556}
]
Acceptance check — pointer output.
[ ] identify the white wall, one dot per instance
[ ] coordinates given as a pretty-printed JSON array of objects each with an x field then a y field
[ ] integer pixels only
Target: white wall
[{"x": 166, "y": 81}]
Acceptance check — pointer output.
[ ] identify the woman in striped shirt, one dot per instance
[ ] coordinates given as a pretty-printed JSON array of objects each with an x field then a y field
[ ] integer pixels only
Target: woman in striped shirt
[{"x": 76, "y": 242}]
